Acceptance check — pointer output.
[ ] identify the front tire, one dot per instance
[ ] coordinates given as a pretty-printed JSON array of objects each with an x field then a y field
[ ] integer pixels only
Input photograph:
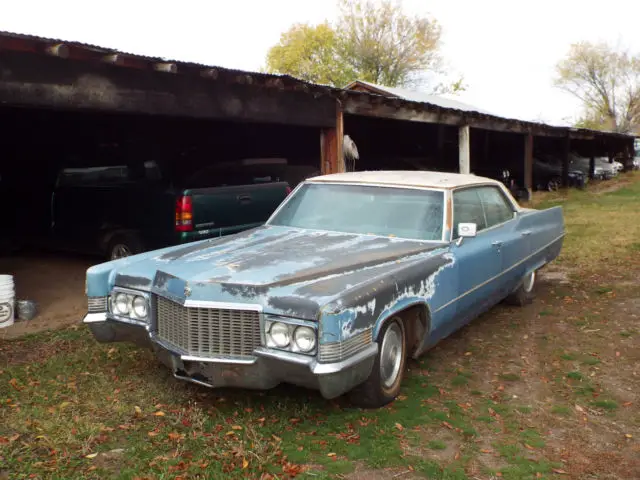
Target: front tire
[
  {"x": 525, "y": 292},
  {"x": 383, "y": 385}
]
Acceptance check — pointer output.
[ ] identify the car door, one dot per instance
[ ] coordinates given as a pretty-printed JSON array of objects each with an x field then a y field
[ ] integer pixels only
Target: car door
[
  {"x": 511, "y": 242},
  {"x": 478, "y": 260}
]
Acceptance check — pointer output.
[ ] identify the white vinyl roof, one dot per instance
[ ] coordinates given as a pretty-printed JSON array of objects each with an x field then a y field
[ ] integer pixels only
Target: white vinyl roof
[{"x": 409, "y": 178}]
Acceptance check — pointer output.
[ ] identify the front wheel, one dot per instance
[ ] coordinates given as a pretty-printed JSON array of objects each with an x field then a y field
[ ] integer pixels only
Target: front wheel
[
  {"x": 525, "y": 292},
  {"x": 383, "y": 385}
]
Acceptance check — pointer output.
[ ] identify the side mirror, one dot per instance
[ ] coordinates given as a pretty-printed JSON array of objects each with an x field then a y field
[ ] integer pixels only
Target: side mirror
[{"x": 466, "y": 230}]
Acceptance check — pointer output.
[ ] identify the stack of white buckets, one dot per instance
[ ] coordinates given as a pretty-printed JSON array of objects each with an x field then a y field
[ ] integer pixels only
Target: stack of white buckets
[{"x": 7, "y": 300}]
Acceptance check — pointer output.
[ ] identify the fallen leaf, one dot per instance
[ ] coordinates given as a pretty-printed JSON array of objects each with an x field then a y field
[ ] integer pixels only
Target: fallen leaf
[
  {"x": 579, "y": 408},
  {"x": 617, "y": 354},
  {"x": 331, "y": 454},
  {"x": 486, "y": 450},
  {"x": 559, "y": 472},
  {"x": 245, "y": 463},
  {"x": 399, "y": 427},
  {"x": 91, "y": 455},
  {"x": 448, "y": 425},
  {"x": 466, "y": 354},
  {"x": 153, "y": 433},
  {"x": 236, "y": 427},
  {"x": 159, "y": 414},
  {"x": 137, "y": 411},
  {"x": 627, "y": 404},
  {"x": 528, "y": 447},
  {"x": 628, "y": 435},
  {"x": 229, "y": 433},
  {"x": 14, "y": 383}
]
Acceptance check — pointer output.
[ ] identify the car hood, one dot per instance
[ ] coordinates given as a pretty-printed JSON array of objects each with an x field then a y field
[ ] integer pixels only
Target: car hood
[{"x": 287, "y": 271}]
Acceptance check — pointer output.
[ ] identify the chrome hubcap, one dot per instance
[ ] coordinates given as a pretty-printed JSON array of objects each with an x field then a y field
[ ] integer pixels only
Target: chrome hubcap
[
  {"x": 120, "y": 251},
  {"x": 529, "y": 282},
  {"x": 391, "y": 354}
]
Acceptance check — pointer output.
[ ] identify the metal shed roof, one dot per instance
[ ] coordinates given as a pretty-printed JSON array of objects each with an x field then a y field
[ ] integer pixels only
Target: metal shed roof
[{"x": 404, "y": 106}]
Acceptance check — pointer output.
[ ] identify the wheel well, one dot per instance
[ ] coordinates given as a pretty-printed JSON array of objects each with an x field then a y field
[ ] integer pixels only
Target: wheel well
[{"x": 417, "y": 322}]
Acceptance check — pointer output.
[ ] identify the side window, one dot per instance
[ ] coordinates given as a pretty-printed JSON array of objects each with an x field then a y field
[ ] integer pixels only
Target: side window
[
  {"x": 467, "y": 208},
  {"x": 497, "y": 208}
]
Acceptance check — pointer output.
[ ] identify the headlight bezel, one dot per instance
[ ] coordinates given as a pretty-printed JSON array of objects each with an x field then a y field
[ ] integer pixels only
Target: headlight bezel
[
  {"x": 132, "y": 296},
  {"x": 292, "y": 325}
]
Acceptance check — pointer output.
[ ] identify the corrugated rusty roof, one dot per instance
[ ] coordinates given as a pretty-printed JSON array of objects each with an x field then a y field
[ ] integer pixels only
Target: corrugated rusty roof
[{"x": 85, "y": 51}]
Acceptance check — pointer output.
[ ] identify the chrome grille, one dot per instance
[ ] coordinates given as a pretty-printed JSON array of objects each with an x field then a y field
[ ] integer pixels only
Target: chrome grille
[
  {"x": 97, "y": 304},
  {"x": 336, "y": 351},
  {"x": 208, "y": 332}
]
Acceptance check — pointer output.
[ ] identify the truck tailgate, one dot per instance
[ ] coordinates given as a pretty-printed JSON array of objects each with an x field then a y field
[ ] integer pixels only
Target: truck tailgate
[{"x": 224, "y": 210}]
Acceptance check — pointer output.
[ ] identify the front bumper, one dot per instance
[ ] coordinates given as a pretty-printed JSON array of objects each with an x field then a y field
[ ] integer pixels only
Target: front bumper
[{"x": 267, "y": 369}]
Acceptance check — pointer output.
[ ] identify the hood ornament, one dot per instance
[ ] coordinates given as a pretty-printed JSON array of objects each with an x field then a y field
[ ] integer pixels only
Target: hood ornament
[{"x": 187, "y": 291}]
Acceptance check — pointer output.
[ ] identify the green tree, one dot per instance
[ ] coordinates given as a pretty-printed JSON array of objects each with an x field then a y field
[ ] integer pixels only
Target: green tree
[
  {"x": 310, "y": 53},
  {"x": 371, "y": 41},
  {"x": 607, "y": 82}
]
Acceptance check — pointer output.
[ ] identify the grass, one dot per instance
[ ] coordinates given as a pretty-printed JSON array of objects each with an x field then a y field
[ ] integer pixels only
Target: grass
[{"x": 72, "y": 408}]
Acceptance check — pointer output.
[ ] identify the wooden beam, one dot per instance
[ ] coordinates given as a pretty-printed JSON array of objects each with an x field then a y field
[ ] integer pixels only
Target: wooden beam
[
  {"x": 51, "y": 82},
  {"x": 528, "y": 164},
  {"x": 464, "y": 149},
  {"x": 331, "y": 141},
  {"x": 385, "y": 108}
]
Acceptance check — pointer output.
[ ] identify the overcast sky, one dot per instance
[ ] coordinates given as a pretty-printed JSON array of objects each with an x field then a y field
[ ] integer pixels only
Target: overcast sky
[{"x": 506, "y": 49}]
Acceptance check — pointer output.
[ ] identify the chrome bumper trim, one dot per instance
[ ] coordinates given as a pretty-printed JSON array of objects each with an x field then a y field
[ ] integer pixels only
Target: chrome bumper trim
[{"x": 237, "y": 361}]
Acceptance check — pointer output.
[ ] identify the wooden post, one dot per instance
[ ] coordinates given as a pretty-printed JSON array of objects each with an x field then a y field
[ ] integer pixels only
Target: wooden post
[
  {"x": 565, "y": 161},
  {"x": 592, "y": 160},
  {"x": 331, "y": 140},
  {"x": 464, "y": 149},
  {"x": 528, "y": 164}
]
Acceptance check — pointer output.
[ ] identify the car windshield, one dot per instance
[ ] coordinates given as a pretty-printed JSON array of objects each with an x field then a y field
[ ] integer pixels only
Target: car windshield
[{"x": 400, "y": 212}]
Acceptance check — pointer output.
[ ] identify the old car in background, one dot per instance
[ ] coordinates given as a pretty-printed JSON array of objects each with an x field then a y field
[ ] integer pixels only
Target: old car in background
[
  {"x": 124, "y": 209},
  {"x": 352, "y": 275}
]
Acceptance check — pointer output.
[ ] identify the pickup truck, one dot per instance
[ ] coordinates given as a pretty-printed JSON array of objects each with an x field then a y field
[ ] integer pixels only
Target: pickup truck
[{"x": 120, "y": 210}]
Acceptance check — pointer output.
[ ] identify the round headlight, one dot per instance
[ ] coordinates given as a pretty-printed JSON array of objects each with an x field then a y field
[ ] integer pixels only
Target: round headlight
[
  {"x": 122, "y": 304},
  {"x": 305, "y": 338},
  {"x": 280, "y": 335},
  {"x": 140, "y": 307}
]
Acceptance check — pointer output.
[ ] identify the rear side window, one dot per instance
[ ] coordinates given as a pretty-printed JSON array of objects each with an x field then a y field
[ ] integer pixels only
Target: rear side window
[{"x": 496, "y": 207}]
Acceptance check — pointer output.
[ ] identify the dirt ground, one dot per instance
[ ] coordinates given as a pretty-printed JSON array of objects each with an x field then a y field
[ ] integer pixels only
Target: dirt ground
[{"x": 55, "y": 282}]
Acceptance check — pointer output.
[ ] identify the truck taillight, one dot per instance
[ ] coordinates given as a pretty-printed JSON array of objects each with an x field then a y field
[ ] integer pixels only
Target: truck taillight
[{"x": 184, "y": 214}]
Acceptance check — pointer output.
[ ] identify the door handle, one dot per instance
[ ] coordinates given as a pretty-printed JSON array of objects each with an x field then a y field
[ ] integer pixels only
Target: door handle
[
  {"x": 526, "y": 232},
  {"x": 244, "y": 198},
  {"x": 497, "y": 244}
]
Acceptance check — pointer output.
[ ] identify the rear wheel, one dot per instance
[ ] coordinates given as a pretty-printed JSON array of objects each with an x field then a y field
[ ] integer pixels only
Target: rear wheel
[
  {"x": 123, "y": 245},
  {"x": 525, "y": 292},
  {"x": 383, "y": 385}
]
